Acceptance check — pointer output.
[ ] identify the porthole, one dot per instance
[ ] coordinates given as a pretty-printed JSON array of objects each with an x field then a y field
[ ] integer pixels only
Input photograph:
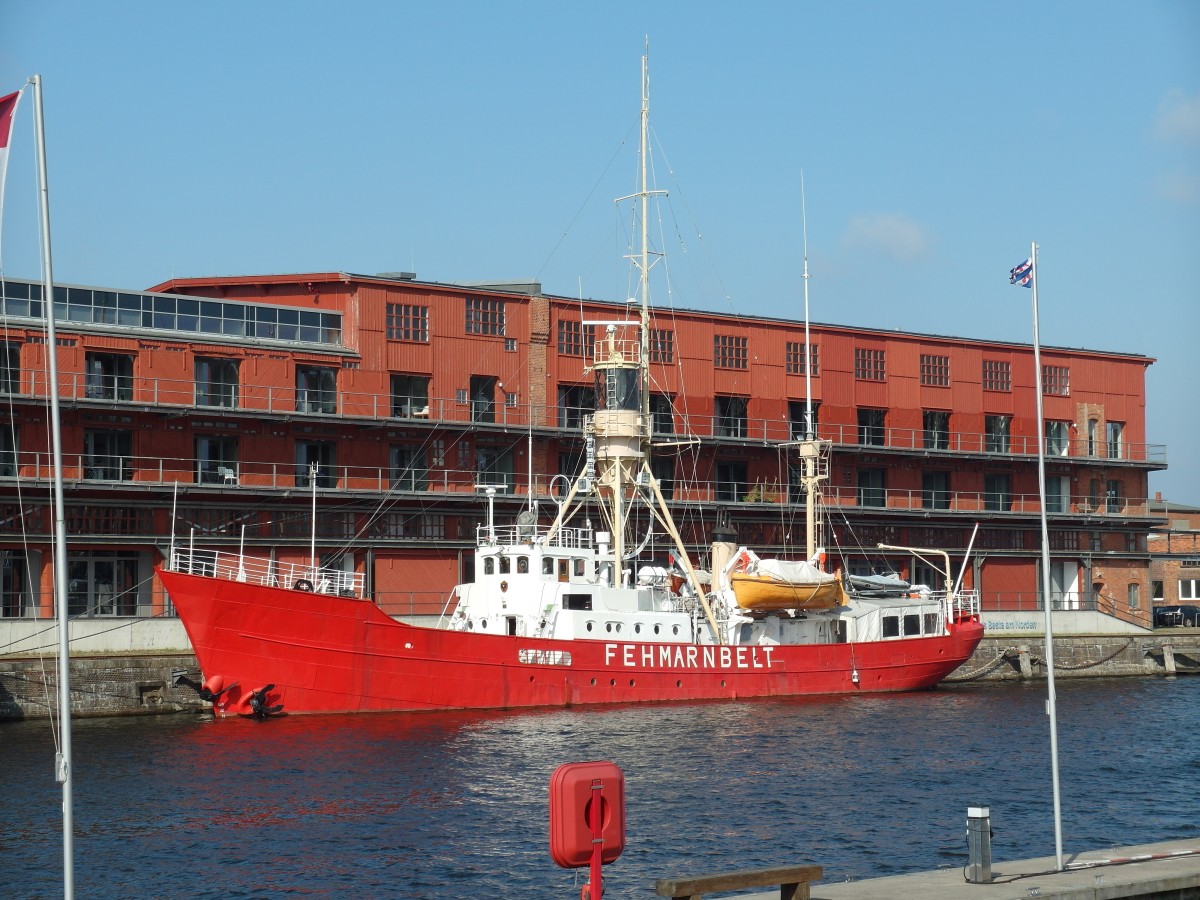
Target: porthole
[
  {"x": 618, "y": 628},
  {"x": 589, "y": 626},
  {"x": 637, "y": 629},
  {"x": 656, "y": 629},
  {"x": 612, "y": 682},
  {"x": 675, "y": 629},
  {"x": 631, "y": 682},
  {"x": 483, "y": 624},
  {"x": 531, "y": 679},
  {"x": 679, "y": 684},
  {"x": 608, "y": 626},
  {"x": 593, "y": 682},
  {"x": 722, "y": 682}
]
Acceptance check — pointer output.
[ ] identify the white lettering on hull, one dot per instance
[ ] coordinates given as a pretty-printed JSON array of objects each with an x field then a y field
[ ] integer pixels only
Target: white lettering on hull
[{"x": 680, "y": 656}]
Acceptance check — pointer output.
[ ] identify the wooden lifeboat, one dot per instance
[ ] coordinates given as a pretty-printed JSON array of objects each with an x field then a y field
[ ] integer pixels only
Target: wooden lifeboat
[{"x": 768, "y": 585}]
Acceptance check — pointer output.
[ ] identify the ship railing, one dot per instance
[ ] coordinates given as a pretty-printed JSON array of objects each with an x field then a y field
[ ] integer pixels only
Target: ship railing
[
  {"x": 564, "y": 538},
  {"x": 961, "y": 604},
  {"x": 267, "y": 572}
]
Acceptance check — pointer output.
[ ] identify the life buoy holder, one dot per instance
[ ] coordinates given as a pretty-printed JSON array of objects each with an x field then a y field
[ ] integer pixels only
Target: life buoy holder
[{"x": 303, "y": 585}]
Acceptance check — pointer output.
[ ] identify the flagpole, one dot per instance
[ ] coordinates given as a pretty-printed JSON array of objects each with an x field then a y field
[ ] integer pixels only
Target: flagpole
[
  {"x": 63, "y": 760},
  {"x": 1050, "y": 699}
]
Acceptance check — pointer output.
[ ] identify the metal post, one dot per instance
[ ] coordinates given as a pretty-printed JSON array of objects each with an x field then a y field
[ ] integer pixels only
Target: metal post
[
  {"x": 979, "y": 845},
  {"x": 594, "y": 889}
]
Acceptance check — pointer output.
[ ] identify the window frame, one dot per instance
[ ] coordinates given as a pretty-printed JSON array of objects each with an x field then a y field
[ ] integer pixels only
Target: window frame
[
  {"x": 407, "y": 322},
  {"x": 485, "y": 316},
  {"x": 870, "y": 364}
]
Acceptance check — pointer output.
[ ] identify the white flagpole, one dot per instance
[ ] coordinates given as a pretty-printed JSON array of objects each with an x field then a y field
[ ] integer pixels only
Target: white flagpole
[
  {"x": 1050, "y": 704},
  {"x": 60, "y": 527}
]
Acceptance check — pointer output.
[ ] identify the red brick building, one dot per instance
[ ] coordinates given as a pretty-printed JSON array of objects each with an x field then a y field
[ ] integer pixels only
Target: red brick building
[
  {"x": 1175, "y": 554},
  {"x": 198, "y": 411}
]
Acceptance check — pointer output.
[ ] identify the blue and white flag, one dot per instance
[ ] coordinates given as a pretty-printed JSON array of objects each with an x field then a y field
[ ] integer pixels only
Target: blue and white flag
[{"x": 1022, "y": 274}]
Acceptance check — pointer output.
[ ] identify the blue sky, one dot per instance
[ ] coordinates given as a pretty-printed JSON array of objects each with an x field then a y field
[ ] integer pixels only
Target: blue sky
[{"x": 486, "y": 141}]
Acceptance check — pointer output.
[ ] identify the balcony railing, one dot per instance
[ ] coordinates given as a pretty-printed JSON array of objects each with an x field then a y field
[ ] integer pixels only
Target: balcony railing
[
  {"x": 287, "y": 400},
  {"x": 284, "y": 476}
]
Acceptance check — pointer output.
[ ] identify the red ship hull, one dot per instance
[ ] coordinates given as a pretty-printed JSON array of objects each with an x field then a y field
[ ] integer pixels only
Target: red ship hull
[{"x": 331, "y": 654}]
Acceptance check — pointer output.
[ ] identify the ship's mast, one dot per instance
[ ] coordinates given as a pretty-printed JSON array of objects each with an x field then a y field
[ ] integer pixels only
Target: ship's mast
[
  {"x": 644, "y": 280},
  {"x": 816, "y": 464},
  {"x": 621, "y": 425}
]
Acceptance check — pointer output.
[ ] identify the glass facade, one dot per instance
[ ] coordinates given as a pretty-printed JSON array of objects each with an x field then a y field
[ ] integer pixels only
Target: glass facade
[{"x": 172, "y": 312}]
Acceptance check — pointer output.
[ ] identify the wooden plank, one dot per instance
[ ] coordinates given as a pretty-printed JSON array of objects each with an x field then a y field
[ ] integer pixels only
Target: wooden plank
[{"x": 792, "y": 880}]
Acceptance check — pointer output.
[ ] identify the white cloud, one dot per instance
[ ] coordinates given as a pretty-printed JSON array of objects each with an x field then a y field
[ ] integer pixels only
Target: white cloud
[
  {"x": 1179, "y": 117},
  {"x": 894, "y": 234}
]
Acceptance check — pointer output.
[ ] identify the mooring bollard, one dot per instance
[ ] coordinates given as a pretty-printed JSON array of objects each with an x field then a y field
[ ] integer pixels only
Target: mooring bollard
[{"x": 979, "y": 845}]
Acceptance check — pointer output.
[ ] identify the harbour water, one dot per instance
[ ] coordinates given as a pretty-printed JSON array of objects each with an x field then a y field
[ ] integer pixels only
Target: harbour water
[{"x": 455, "y": 805}]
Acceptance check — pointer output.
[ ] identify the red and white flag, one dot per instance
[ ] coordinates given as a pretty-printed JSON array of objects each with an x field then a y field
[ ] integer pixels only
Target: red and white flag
[{"x": 8, "y": 111}]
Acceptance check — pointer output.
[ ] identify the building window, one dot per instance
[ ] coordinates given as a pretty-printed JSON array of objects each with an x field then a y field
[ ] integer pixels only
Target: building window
[
  {"x": 935, "y": 370},
  {"x": 409, "y": 471},
  {"x": 575, "y": 403},
  {"x": 10, "y": 368},
  {"x": 730, "y": 352},
  {"x": 663, "y": 470},
  {"x": 217, "y": 382},
  {"x": 731, "y": 416},
  {"x": 1058, "y": 438},
  {"x": 871, "y": 427},
  {"x": 483, "y": 398},
  {"x": 1135, "y": 596},
  {"x": 662, "y": 414},
  {"x": 869, "y": 365},
  {"x": 935, "y": 490},
  {"x": 936, "y": 424},
  {"x": 1114, "y": 431},
  {"x": 575, "y": 338},
  {"x": 872, "y": 487},
  {"x": 102, "y": 584},
  {"x": 662, "y": 346},
  {"x": 996, "y": 433},
  {"x": 801, "y": 429},
  {"x": 216, "y": 459},
  {"x": 494, "y": 466},
  {"x": 997, "y": 375},
  {"x": 407, "y": 323},
  {"x": 107, "y": 455},
  {"x": 14, "y": 584},
  {"x": 317, "y": 458},
  {"x": 485, "y": 316},
  {"x": 1093, "y": 436},
  {"x": 794, "y": 359},
  {"x": 109, "y": 376},
  {"x": 732, "y": 483},
  {"x": 316, "y": 389},
  {"x": 1058, "y": 494},
  {"x": 8, "y": 450},
  {"x": 410, "y": 396},
  {"x": 1056, "y": 381},
  {"x": 1189, "y": 588},
  {"x": 1112, "y": 497},
  {"x": 997, "y": 492}
]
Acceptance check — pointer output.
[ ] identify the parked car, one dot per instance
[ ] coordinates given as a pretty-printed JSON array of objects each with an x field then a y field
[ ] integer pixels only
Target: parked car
[{"x": 1166, "y": 616}]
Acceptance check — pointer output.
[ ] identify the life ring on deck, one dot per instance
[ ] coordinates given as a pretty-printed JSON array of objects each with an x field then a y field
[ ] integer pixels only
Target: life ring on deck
[{"x": 303, "y": 585}]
